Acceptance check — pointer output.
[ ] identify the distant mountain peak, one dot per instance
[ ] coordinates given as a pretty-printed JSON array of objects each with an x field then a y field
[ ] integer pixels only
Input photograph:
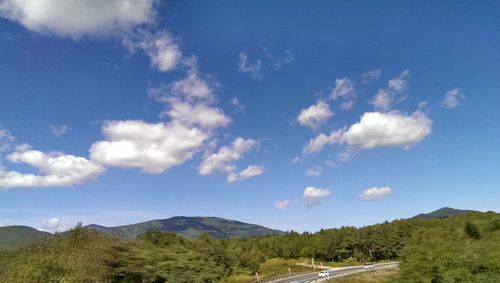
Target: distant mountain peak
[{"x": 443, "y": 213}]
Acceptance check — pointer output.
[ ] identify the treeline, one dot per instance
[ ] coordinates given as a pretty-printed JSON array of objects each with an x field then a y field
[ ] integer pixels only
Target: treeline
[{"x": 442, "y": 250}]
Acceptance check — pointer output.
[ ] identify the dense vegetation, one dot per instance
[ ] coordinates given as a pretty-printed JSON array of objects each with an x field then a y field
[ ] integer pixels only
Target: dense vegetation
[{"x": 455, "y": 249}]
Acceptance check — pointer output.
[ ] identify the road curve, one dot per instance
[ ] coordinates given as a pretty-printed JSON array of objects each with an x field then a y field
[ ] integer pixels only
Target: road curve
[{"x": 313, "y": 276}]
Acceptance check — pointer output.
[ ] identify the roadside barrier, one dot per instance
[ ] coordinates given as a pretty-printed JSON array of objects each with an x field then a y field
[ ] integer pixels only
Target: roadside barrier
[{"x": 357, "y": 270}]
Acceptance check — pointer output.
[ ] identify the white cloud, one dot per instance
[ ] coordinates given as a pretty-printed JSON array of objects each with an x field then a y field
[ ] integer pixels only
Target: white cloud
[
  {"x": 343, "y": 88},
  {"x": 245, "y": 66},
  {"x": 347, "y": 105},
  {"x": 221, "y": 161},
  {"x": 6, "y": 140},
  {"x": 54, "y": 225},
  {"x": 126, "y": 20},
  {"x": 312, "y": 195},
  {"x": 371, "y": 76},
  {"x": 385, "y": 97},
  {"x": 190, "y": 101},
  {"x": 202, "y": 115},
  {"x": 60, "y": 170},
  {"x": 78, "y": 18},
  {"x": 377, "y": 129},
  {"x": 153, "y": 148},
  {"x": 59, "y": 131},
  {"x": 453, "y": 98},
  {"x": 249, "y": 172},
  {"x": 393, "y": 129},
  {"x": 314, "y": 171},
  {"x": 315, "y": 116},
  {"x": 160, "y": 47},
  {"x": 193, "y": 87},
  {"x": 399, "y": 83},
  {"x": 282, "y": 204},
  {"x": 375, "y": 193},
  {"x": 383, "y": 100},
  {"x": 320, "y": 141}
]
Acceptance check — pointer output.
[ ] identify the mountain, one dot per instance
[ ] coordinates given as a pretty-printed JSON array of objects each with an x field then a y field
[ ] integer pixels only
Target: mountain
[
  {"x": 443, "y": 213},
  {"x": 16, "y": 236},
  {"x": 190, "y": 227}
]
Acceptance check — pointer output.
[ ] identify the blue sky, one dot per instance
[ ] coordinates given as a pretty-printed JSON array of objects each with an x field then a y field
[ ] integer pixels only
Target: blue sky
[{"x": 285, "y": 114}]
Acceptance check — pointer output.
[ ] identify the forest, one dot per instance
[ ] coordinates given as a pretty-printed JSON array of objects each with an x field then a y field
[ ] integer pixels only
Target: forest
[{"x": 450, "y": 249}]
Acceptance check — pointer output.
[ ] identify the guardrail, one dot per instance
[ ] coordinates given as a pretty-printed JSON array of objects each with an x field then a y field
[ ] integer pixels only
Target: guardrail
[
  {"x": 358, "y": 270},
  {"x": 269, "y": 279}
]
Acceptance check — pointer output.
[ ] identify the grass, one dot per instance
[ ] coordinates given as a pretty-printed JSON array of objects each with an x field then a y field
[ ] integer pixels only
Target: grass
[{"x": 376, "y": 276}]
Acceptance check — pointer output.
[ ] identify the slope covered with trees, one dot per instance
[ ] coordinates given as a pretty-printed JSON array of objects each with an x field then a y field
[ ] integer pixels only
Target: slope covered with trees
[{"x": 454, "y": 249}]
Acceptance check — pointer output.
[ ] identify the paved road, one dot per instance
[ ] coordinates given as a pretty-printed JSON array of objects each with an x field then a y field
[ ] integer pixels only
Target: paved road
[{"x": 309, "y": 277}]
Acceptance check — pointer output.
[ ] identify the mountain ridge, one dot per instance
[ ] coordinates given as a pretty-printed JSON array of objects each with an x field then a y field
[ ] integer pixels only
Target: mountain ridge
[
  {"x": 443, "y": 212},
  {"x": 190, "y": 227},
  {"x": 19, "y": 235}
]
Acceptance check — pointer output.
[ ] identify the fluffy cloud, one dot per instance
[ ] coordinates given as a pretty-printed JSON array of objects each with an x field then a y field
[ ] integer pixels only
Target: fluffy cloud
[
  {"x": 282, "y": 204},
  {"x": 375, "y": 193},
  {"x": 202, "y": 115},
  {"x": 59, "y": 169},
  {"x": 312, "y": 195},
  {"x": 453, "y": 98},
  {"x": 245, "y": 66},
  {"x": 377, "y": 129},
  {"x": 221, "y": 161},
  {"x": 315, "y": 116},
  {"x": 371, "y": 76},
  {"x": 153, "y": 148},
  {"x": 247, "y": 173},
  {"x": 190, "y": 101},
  {"x": 385, "y": 97},
  {"x": 127, "y": 20},
  {"x": 314, "y": 171},
  {"x": 343, "y": 88},
  {"x": 192, "y": 87},
  {"x": 59, "y": 131},
  {"x": 78, "y": 18},
  {"x": 54, "y": 225},
  {"x": 160, "y": 47}
]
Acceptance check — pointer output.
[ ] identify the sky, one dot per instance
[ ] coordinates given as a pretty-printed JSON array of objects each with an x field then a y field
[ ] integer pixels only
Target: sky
[{"x": 289, "y": 114}]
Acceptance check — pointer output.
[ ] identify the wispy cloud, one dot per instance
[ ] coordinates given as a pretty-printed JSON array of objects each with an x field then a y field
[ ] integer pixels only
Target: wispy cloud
[
  {"x": 453, "y": 98},
  {"x": 253, "y": 68},
  {"x": 385, "y": 97},
  {"x": 282, "y": 204},
  {"x": 59, "y": 131},
  {"x": 372, "y": 76}
]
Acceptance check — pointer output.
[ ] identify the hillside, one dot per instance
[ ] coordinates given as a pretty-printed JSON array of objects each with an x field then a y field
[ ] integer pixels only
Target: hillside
[
  {"x": 443, "y": 213},
  {"x": 16, "y": 236},
  {"x": 189, "y": 227}
]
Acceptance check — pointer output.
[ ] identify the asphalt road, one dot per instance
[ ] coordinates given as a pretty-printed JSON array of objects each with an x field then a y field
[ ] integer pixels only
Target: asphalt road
[{"x": 314, "y": 275}]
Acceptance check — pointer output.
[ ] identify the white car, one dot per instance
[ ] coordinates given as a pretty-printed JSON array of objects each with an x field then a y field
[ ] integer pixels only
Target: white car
[{"x": 325, "y": 273}]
